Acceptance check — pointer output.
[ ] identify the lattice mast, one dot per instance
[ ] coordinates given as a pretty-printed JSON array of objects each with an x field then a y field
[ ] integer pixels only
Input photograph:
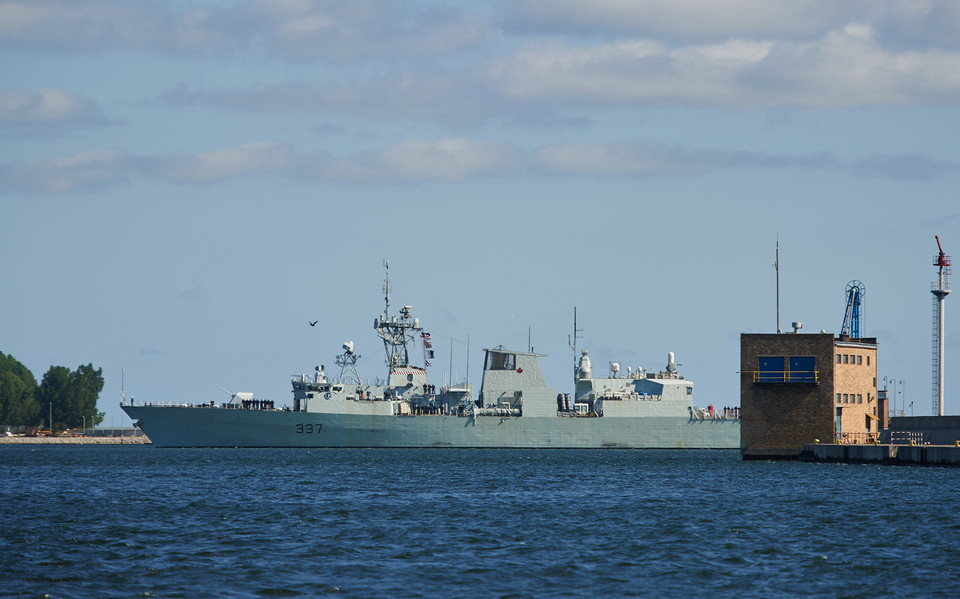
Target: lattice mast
[
  {"x": 940, "y": 289},
  {"x": 396, "y": 333}
]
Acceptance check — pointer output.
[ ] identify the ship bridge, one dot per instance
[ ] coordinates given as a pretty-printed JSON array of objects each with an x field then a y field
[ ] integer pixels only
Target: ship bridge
[{"x": 513, "y": 380}]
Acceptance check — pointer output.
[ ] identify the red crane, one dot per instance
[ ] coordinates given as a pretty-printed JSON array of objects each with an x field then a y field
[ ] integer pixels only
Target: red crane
[{"x": 942, "y": 259}]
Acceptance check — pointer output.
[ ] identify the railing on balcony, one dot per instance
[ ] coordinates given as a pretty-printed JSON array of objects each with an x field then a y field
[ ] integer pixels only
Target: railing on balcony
[
  {"x": 785, "y": 376},
  {"x": 857, "y": 438}
]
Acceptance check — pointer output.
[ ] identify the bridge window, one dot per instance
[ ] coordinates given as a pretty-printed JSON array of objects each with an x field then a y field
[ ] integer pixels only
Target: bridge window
[{"x": 501, "y": 361}]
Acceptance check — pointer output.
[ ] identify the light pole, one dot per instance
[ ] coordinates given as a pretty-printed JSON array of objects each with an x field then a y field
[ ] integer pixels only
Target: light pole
[
  {"x": 894, "y": 382},
  {"x": 891, "y": 410},
  {"x": 903, "y": 398}
]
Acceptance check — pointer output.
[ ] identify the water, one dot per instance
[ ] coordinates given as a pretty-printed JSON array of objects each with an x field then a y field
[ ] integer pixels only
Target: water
[{"x": 146, "y": 522}]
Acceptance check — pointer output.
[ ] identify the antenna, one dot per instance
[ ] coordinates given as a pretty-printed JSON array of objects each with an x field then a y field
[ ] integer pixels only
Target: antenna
[
  {"x": 572, "y": 341},
  {"x": 776, "y": 265},
  {"x": 386, "y": 290},
  {"x": 940, "y": 289}
]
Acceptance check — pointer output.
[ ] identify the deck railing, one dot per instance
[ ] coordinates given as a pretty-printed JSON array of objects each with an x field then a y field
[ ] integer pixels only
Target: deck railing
[{"x": 785, "y": 376}]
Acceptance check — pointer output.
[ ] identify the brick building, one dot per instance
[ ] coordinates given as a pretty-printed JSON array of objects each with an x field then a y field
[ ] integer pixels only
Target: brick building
[{"x": 801, "y": 388}]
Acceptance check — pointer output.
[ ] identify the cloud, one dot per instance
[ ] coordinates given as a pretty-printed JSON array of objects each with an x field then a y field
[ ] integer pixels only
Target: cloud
[
  {"x": 438, "y": 160},
  {"x": 339, "y": 32},
  {"x": 66, "y": 25},
  {"x": 648, "y": 159},
  {"x": 904, "y": 166},
  {"x": 361, "y": 29},
  {"x": 423, "y": 160},
  {"x": 845, "y": 68},
  {"x": 250, "y": 159},
  {"x": 455, "y": 99},
  {"x": 80, "y": 172},
  {"x": 902, "y": 23},
  {"x": 95, "y": 169},
  {"x": 555, "y": 82},
  {"x": 47, "y": 110}
]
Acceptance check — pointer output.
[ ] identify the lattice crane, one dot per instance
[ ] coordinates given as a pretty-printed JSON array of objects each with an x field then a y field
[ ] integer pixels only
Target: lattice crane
[{"x": 851, "y": 316}]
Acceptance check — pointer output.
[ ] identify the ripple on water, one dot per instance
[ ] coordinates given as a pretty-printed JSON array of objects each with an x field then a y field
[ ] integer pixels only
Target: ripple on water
[{"x": 115, "y": 522}]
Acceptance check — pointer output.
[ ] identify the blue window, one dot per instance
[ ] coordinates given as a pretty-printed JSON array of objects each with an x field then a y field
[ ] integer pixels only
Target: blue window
[
  {"x": 803, "y": 369},
  {"x": 771, "y": 369}
]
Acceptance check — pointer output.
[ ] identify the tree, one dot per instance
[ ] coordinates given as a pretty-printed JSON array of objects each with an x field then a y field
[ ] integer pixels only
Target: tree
[
  {"x": 72, "y": 395},
  {"x": 86, "y": 385},
  {"x": 18, "y": 403}
]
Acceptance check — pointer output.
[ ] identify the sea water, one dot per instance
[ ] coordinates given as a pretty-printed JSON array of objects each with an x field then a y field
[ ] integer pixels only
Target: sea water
[{"x": 108, "y": 521}]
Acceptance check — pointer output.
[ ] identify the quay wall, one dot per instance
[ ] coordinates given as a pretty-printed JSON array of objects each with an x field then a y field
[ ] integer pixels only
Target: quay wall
[
  {"x": 129, "y": 440},
  {"x": 919, "y": 455},
  {"x": 935, "y": 430}
]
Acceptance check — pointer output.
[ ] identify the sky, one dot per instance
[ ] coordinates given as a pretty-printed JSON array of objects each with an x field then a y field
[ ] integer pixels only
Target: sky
[{"x": 185, "y": 185}]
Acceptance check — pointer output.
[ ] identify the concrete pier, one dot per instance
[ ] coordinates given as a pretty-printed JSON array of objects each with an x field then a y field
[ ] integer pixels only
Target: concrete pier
[
  {"x": 918, "y": 455},
  {"x": 129, "y": 440}
]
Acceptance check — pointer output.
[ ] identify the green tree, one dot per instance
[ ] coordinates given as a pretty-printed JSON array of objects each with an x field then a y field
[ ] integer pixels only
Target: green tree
[
  {"x": 18, "y": 403},
  {"x": 85, "y": 385},
  {"x": 72, "y": 395}
]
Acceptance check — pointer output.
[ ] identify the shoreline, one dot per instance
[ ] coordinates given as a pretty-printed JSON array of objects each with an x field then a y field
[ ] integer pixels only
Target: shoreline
[{"x": 138, "y": 440}]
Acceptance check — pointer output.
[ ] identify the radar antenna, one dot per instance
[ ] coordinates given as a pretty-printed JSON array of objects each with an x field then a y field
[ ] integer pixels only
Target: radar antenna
[{"x": 347, "y": 361}]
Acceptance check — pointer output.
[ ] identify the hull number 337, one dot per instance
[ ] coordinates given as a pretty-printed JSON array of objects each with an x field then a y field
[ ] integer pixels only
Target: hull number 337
[{"x": 308, "y": 429}]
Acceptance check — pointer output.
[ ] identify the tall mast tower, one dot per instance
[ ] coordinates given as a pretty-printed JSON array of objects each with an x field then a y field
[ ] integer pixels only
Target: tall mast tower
[
  {"x": 396, "y": 333},
  {"x": 940, "y": 289}
]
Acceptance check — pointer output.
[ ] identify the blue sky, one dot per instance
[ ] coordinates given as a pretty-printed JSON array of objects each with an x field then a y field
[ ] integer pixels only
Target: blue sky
[{"x": 183, "y": 185}]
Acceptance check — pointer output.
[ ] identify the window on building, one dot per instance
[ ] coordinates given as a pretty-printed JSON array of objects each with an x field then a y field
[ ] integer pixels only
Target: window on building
[
  {"x": 846, "y": 398},
  {"x": 867, "y": 418},
  {"x": 859, "y": 398},
  {"x": 803, "y": 369},
  {"x": 838, "y": 358},
  {"x": 770, "y": 369},
  {"x": 838, "y": 398},
  {"x": 859, "y": 360},
  {"x": 868, "y": 360}
]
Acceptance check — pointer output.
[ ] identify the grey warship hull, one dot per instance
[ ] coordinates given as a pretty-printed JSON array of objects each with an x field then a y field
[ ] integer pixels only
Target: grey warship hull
[{"x": 195, "y": 426}]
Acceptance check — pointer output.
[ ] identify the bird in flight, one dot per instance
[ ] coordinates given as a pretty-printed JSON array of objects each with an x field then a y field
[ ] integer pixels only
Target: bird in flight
[{"x": 314, "y": 322}]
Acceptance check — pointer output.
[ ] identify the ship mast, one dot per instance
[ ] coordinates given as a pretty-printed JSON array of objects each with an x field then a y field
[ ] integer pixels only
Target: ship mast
[
  {"x": 572, "y": 342},
  {"x": 395, "y": 332}
]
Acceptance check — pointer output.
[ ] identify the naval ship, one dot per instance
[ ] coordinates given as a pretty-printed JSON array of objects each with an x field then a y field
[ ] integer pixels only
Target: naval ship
[{"x": 514, "y": 408}]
